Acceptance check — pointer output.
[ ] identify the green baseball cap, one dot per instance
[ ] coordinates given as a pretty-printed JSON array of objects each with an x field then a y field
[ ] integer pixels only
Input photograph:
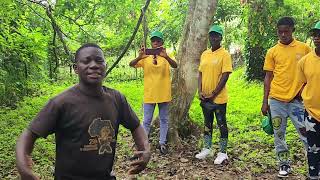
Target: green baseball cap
[
  {"x": 266, "y": 124},
  {"x": 216, "y": 28},
  {"x": 157, "y": 34},
  {"x": 316, "y": 27}
]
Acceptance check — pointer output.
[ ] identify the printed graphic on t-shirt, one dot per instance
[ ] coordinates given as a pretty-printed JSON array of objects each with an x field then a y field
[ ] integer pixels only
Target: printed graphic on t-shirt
[
  {"x": 215, "y": 61},
  {"x": 102, "y": 134},
  {"x": 299, "y": 56}
]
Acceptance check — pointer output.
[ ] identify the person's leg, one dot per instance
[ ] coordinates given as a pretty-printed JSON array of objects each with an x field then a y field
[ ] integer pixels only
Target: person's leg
[
  {"x": 207, "y": 110},
  {"x": 148, "y": 109},
  {"x": 296, "y": 113},
  {"x": 279, "y": 122},
  {"x": 164, "y": 121},
  {"x": 220, "y": 113},
  {"x": 313, "y": 136}
]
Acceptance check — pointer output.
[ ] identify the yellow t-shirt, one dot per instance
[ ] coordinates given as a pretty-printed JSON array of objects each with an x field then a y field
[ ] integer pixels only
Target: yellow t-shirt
[
  {"x": 212, "y": 65},
  {"x": 157, "y": 81},
  {"x": 309, "y": 73},
  {"x": 282, "y": 60}
]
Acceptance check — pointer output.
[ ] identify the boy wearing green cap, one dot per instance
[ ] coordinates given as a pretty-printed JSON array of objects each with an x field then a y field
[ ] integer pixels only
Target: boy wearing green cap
[
  {"x": 308, "y": 68},
  {"x": 214, "y": 70},
  {"x": 281, "y": 90},
  {"x": 157, "y": 85}
]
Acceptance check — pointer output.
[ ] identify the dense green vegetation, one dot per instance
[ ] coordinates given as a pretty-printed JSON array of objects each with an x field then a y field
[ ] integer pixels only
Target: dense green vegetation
[
  {"x": 37, "y": 43},
  {"x": 250, "y": 148}
]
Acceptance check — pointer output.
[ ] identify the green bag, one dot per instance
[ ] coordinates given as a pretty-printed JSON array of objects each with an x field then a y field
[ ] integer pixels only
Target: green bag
[{"x": 266, "y": 124}]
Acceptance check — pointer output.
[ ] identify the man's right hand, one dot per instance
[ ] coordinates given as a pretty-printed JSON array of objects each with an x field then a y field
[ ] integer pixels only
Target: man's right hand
[
  {"x": 29, "y": 174},
  {"x": 24, "y": 161},
  {"x": 140, "y": 163},
  {"x": 264, "y": 108}
]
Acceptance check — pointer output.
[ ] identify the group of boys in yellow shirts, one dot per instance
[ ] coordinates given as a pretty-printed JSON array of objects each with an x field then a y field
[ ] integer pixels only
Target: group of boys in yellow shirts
[{"x": 290, "y": 90}]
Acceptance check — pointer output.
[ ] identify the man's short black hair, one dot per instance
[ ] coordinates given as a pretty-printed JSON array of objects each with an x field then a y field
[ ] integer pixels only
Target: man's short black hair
[
  {"x": 288, "y": 21},
  {"x": 85, "y": 46}
]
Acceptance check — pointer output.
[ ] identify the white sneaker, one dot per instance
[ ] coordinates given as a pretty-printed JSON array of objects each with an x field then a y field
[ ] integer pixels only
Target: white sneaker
[
  {"x": 220, "y": 158},
  {"x": 284, "y": 171},
  {"x": 203, "y": 154}
]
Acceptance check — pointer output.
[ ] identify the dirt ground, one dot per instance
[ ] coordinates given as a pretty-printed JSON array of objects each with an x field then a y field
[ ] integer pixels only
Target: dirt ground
[{"x": 181, "y": 164}]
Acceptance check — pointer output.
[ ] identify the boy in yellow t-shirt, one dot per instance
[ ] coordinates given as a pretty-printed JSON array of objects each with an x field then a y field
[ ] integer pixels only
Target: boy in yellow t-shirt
[
  {"x": 215, "y": 67},
  {"x": 309, "y": 73},
  {"x": 157, "y": 85},
  {"x": 281, "y": 89}
]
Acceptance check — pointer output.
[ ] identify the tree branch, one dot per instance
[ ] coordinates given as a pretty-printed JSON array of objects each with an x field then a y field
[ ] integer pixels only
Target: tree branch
[
  {"x": 79, "y": 25},
  {"x": 54, "y": 25},
  {"x": 93, "y": 12},
  {"x": 74, "y": 21},
  {"x": 39, "y": 3},
  {"x": 55, "y": 53},
  {"x": 38, "y": 14},
  {"x": 59, "y": 32},
  {"x": 143, "y": 11}
]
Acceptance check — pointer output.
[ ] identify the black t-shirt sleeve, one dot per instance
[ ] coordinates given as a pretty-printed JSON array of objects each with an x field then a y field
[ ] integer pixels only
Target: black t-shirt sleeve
[
  {"x": 46, "y": 120},
  {"x": 128, "y": 117}
]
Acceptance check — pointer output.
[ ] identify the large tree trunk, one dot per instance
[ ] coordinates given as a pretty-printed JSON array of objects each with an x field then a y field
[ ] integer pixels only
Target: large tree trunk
[{"x": 193, "y": 43}]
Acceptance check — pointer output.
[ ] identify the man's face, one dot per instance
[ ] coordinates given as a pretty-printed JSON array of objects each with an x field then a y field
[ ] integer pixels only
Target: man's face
[
  {"x": 215, "y": 39},
  {"x": 316, "y": 38},
  {"x": 156, "y": 42},
  {"x": 285, "y": 34},
  {"x": 90, "y": 66}
]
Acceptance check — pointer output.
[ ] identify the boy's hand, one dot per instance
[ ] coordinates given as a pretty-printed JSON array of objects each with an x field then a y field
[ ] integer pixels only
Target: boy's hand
[
  {"x": 211, "y": 97},
  {"x": 264, "y": 108},
  {"x": 163, "y": 53},
  {"x": 201, "y": 96},
  {"x": 141, "y": 163},
  {"x": 142, "y": 53}
]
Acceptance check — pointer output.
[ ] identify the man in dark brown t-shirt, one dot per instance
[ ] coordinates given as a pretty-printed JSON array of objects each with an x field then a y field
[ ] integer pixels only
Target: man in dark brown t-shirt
[{"x": 85, "y": 120}]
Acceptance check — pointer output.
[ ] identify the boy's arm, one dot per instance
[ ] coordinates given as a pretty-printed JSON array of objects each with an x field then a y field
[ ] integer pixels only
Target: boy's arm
[
  {"x": 24, "y": 149},
  {"x": 140, "y": 57},
  {"x": 143, "y": 150},
  {"x": 164, "y": 54},
  {"x": 221, "y": 84},
  {"x": 267, "y": 81},
  {"x": 135, "y": 61},
  {"x": 172, "y": 63},
  {"x": 201, "y": 96}
]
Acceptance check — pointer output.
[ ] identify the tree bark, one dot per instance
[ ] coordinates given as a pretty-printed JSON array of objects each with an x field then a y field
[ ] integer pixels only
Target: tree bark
[{"x": 185, "y": 78}]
